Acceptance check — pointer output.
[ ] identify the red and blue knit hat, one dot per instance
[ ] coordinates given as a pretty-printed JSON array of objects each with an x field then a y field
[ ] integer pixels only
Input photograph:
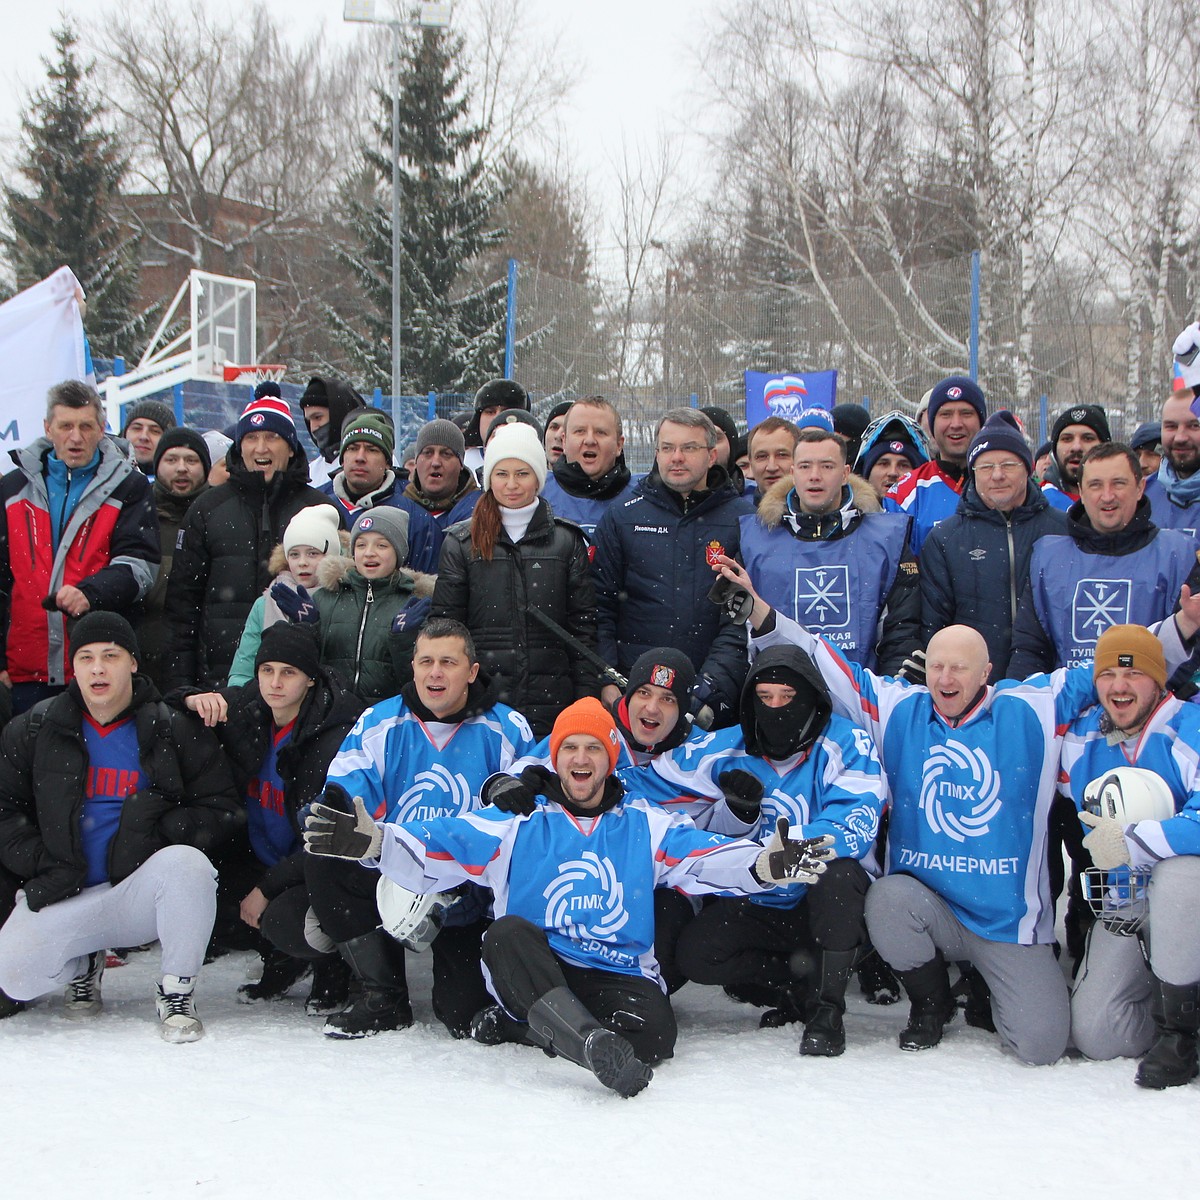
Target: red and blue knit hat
[{"x": 268, "y": 412}]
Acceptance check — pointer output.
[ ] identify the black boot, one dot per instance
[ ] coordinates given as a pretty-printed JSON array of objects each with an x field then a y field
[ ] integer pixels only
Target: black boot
[
  {"x": 1172, "y": 1060},
  {"x": 824, "y": 1033},
  {"x": 931, "y": 1004},
  {"x": 279, "y": 972},
  {"x": 330, "y": 991},
  {"x": 977, "y": 1003},
  {"x": 793, "y": 1004},
  {"x": 492, "y": 1026},
  {"x": 876, "y": 980},
  {"x": 378, "y": 961},
  {"x": 560, "y": 1022},
  {"x": 10, "y": 1007}
]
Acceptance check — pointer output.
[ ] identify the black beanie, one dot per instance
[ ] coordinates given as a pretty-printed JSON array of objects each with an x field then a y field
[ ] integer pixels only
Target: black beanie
[
  {"x": 188, "y": 439},
  {"x": 665, "y": 668},
  {"x": 106, "y": 627},
  {"x": 723, "y": 421},
  {"x": 1091, "y": 415},
  {"x": 295, "y": 645},
  {"x": 1000, "y": 432},
  {"x": 149, "y": 410}
]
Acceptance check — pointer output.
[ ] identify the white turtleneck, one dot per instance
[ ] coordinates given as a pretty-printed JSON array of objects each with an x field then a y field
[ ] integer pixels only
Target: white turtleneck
[{"x": 516, "y": 520}]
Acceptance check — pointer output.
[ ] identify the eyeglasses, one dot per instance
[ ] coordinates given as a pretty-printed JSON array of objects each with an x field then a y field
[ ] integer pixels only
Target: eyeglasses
[
  {"x": 1000, "y": 468},
  {"x": 686, "y": 448}
]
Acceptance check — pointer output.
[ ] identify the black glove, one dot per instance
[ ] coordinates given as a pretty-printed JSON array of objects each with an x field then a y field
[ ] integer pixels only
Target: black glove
[
  {"x": 516, "y": 796},
  {"x": 785, "y": 861},
  {"x": 912, "y": 668},
  {"x": 707, "y": 703},
  {"x": 412, "y": 614},
  {"x": 743, "y": 793},
  {"x": 295, "y": 603},
  {"x": 337, "y": 834},
  {"x": 736, "y": 603}
]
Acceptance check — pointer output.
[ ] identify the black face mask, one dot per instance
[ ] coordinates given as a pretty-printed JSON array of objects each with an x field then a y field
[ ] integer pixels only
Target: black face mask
[{"x": 783, "y": 731}]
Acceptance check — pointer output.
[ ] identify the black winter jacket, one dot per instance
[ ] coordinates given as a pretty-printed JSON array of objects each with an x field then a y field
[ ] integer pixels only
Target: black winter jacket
[
  {"x": 653, "y": 578},
  {"x": 535, "y": 671},
  {"x": 187, "y": 795},
  {"x": 220, "y": 566},
  {"x": 326, "y": 716},
  {"x": 974, "y": 566}
]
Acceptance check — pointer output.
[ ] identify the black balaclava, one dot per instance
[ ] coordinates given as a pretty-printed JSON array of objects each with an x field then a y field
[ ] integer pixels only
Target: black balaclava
[{"x": 784, "y": 731}]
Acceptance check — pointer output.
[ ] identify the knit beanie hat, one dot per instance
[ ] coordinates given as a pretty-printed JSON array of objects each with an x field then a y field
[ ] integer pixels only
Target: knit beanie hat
[
  {"x": 315, "y": 526},
  {"x": 515, "y": 416},
  {"x": 100, "y": 626},
  {"x": 591, "y": 719},
  {"x": 181, "y": 437},
  {"x": 295, "y": 645},
  {"x": 665, "y": 668},
  {"x": 150, "y": 410},
  {"x": 269, "y": 413},
  {"x": 1000, "y": 432},
  {"x": 218, "y": 444},
  {"x": 505, "y": 392},
  {"x": 1091, "y": 415},
  {"x": 957, "y": 389},
  {"x": 391, "y": 523},
  {"x": 561, "y": 409},
  {"x": 371, "y": 427},
  {"x": 442, "y": 433},
  {"x": 890, "y": 446},
  {"x": 517, "y": 441},
  {"x": 1131, "y": 646},
  {"x": 723, "y": 421},
  {"x": 814, "y": 418}
]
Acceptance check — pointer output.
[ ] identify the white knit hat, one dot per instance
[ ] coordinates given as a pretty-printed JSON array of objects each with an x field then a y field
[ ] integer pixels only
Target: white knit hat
[
  {"x": 315, "y": 526},
  {"x": 518, "y": 441}
]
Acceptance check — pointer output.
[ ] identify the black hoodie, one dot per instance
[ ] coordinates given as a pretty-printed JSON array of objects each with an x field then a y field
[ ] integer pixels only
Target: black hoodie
[{"x": 812, "y": 712}]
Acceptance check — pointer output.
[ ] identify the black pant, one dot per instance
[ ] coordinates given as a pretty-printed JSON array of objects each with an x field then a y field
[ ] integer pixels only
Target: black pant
[
  {"x": 673, "y": 912},
  {"x": 734, "y": 942},
  {"x": 1066, "y": 832},
  {"x": 524, "y": 968},
  {"x": 238, "y": 873},
  {"x": 342, "y": 895}
]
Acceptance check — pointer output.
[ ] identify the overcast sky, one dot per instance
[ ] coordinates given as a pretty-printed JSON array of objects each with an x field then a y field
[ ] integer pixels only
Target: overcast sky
[{"x": 635, "y": 71}]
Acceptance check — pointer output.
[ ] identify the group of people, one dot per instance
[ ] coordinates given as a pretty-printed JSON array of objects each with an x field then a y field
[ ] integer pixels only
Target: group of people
[{"x": 824, "y": 699}]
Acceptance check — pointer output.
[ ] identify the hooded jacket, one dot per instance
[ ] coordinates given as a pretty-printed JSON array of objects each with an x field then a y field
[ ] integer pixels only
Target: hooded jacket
[
  {"x": 108, "y": 549},
  {"x": 185, "y": 795},
  {"x": 220, "y": 565},
  {"x": 341, "y": 400},
  {"x": 974, "y": 566},
  {"x": 848, "y": 575},
  {"x": 815, "y": 717}
]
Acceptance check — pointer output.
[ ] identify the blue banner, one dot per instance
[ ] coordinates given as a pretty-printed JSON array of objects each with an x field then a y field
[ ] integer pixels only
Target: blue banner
[{"x": 788, "y": 395}]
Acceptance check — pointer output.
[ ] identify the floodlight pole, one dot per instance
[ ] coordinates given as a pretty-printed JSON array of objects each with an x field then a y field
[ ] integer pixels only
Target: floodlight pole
[{"x": 430, "y": 16}]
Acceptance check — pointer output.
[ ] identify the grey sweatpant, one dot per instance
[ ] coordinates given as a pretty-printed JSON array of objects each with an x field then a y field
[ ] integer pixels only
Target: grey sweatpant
[
  {"x": 171, "y": 897},
  {"x": 909, "y": 923},
  {"x": 1110, "y": 1004}
]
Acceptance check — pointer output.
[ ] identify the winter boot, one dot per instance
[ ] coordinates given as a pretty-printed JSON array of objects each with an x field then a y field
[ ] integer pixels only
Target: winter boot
[
  {"x": 977, "y": 1005},
  {"x": 10, "y": 1007},
  {"x": 793, "y": 1005},
  {"x": 931, "y": 1004},
  {"x": 279, "y": 972},
  {"x": 824, "y": 1033},
  {"x": 560, "y": 1022},
  {"x": 1171, "y": 1061},
  {"x": 83, "y": 994},
  {"x": 876, "y": 980},
  {"x": 176, "y": 1006},
  {"x": 330, "y": 991},
  {"x": 378, "y": 961},
  {"x": 492, "y": 1026}
]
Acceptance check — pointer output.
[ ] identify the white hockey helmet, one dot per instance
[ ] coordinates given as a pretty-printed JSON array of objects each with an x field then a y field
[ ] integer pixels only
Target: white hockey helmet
[
  {"x": 1129, "y": 795},
  {"x": 413, "y": 920}
]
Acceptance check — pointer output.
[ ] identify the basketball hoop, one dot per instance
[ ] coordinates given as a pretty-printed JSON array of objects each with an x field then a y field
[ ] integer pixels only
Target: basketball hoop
[{"x": 255, "y": 373}]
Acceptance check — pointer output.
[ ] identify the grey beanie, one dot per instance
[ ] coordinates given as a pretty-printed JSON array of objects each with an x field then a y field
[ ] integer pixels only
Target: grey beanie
[
  {"x": 391, "y": 523},
  {"x": 442, "y": 433},
  {"x": 149, "y": 410}
]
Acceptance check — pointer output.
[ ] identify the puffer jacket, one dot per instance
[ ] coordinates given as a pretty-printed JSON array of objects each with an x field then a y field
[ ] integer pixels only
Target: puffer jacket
[
  {"x": 187, "y": 793},
  {"x": 974, "y": 566},
  {"x": 220, "y": 566},
  {"x": 536, "y": 672},
  {"x": 356, "y": 616}
]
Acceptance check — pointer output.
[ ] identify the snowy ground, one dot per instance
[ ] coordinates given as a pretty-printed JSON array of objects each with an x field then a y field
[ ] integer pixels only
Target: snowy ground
[{"x": 266, "y": 1107}]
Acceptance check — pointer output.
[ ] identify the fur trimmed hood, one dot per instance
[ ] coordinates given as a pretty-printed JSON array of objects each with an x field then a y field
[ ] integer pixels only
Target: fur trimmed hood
[
  {"x": 334, "y": 570},
  {"x": 773, "y": 504},
  {"x": 278, "y": 563}
]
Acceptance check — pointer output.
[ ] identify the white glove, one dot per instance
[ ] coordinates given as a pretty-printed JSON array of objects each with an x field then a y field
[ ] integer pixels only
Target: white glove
[
  {"x": 336, "y": 834},
  {"x": 786, "y": 861},
  {"x": 1106, "y": 843}
]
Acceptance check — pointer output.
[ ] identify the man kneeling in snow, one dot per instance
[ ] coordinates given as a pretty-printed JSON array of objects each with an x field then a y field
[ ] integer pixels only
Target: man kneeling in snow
[{"x": 570, "y": 956}]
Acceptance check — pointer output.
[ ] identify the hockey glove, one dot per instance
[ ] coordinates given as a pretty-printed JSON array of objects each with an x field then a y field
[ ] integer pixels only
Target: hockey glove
[
  {"x": 516, "y": 796},
  {"x": 735, "y": 602},
  {"x": 295, "y": 603},
  {"x": 743, "y": 794},
  {"x": 785, "y": 861},
  {"x": 336, "y": 834},
  {"x": 707, "y": 703},
  {"x": 912, "y": 669},
  {"x": 1187, "y": 350},
  {"x": 1106, "y": 843}
]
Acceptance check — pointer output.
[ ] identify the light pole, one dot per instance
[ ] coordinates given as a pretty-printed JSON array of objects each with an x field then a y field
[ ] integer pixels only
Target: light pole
[{"x": 429, "y": 16}]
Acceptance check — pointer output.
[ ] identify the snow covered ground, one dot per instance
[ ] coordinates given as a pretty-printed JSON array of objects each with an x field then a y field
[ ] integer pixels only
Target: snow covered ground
[{"x": 266, "y": 1107}]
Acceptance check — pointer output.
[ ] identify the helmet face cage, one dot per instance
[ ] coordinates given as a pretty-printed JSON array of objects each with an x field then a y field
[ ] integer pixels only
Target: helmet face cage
[{"x": 1120, "y": 898}]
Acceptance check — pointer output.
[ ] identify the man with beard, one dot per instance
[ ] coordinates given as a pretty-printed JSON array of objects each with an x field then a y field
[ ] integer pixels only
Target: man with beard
[
  {"x": 1076, "y": 431},
  {"x": 570, "y": 952},
  {"x": 1174, "y": 491},
  {"x": 181, "y": 467},
  {"x": 591, "y": 474}
]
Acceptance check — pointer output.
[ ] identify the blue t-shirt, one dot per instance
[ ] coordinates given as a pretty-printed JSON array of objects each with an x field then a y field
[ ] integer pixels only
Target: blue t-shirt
[
  {"x": 272, "y": 834},
  {"x": 113, "y": 773}
]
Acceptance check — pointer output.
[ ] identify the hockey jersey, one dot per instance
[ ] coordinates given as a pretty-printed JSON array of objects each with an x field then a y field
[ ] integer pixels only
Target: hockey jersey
[{"x": 928, "y": 495}]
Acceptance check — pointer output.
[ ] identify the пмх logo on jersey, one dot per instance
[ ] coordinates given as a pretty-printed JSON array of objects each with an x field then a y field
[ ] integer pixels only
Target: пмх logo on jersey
[
  {"x": 587, "y": 899},
  {"x": 434, "y": 793},
  {"x": 960, "y": 791}
]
